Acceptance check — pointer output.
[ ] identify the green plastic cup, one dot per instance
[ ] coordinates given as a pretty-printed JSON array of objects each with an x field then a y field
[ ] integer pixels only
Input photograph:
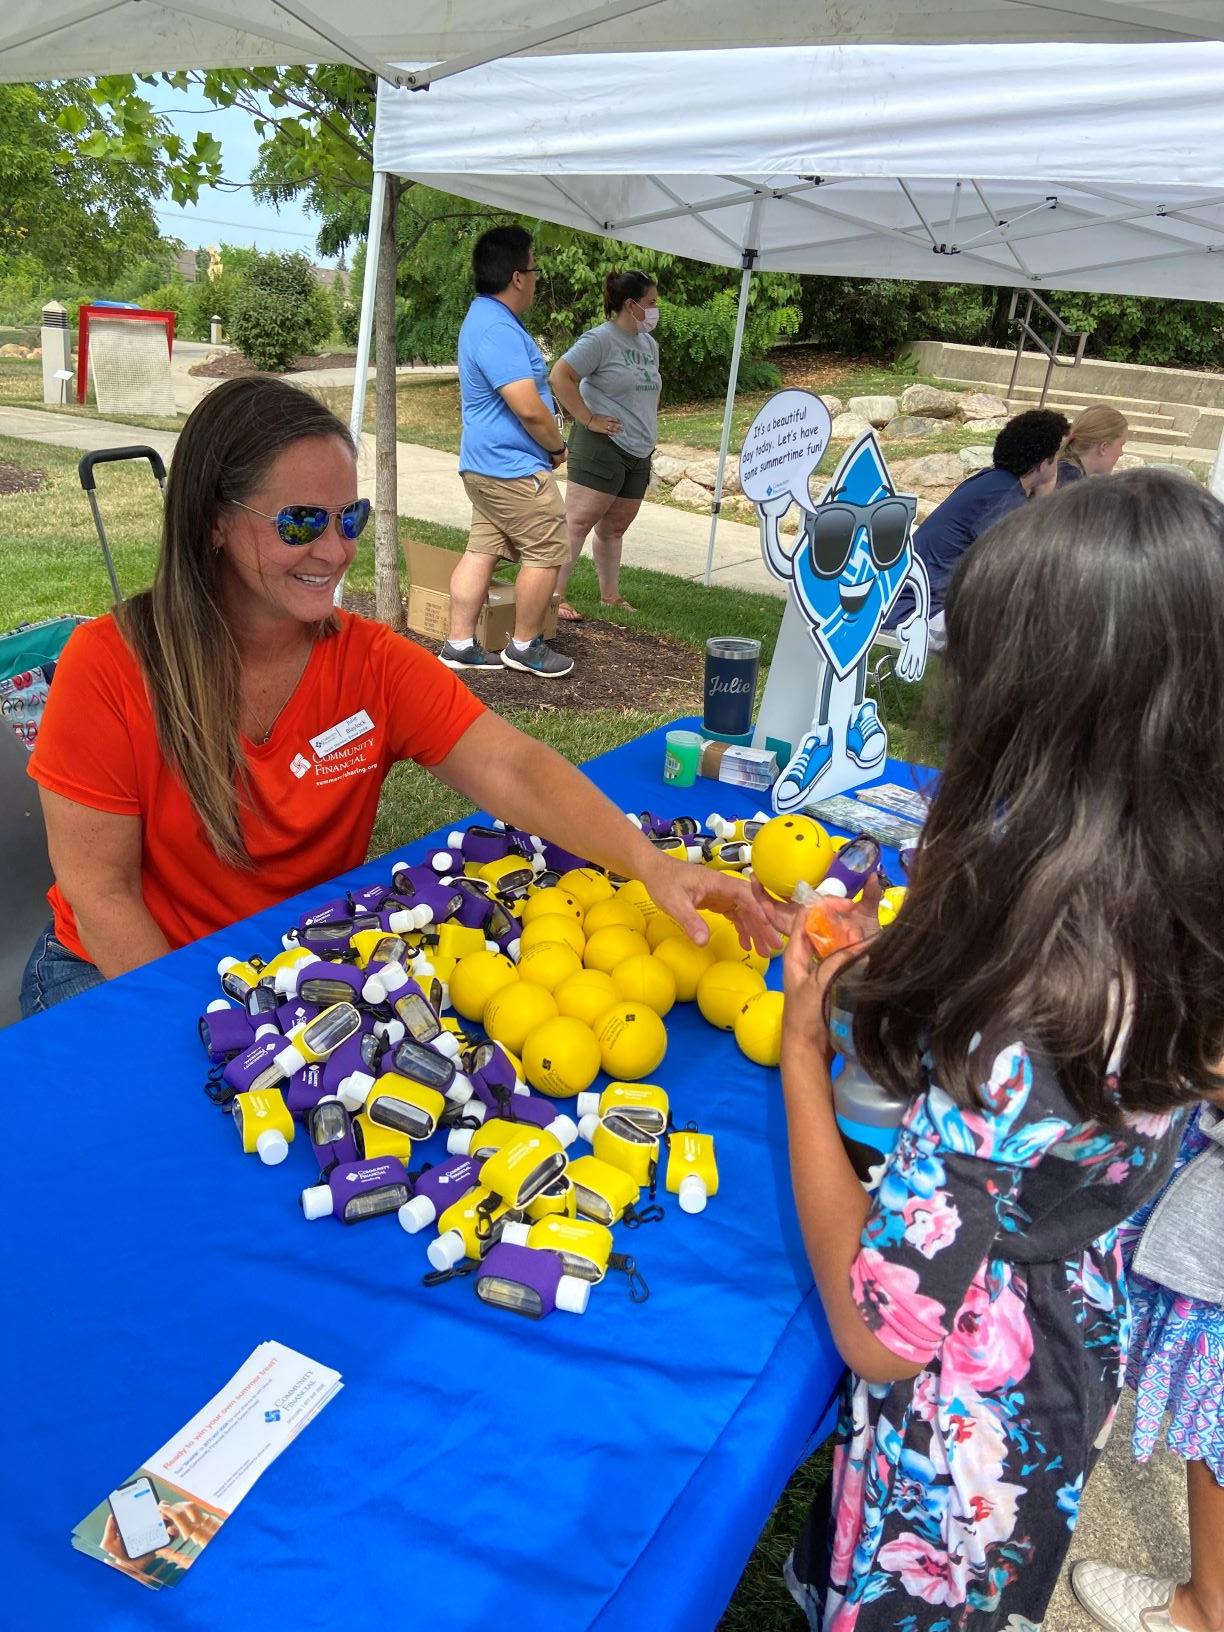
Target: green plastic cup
[{"x": 680, "y": 758}]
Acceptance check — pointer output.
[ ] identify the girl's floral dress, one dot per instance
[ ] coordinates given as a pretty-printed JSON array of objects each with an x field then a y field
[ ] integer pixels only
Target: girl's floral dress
[{"x": 990, "y": 1259}]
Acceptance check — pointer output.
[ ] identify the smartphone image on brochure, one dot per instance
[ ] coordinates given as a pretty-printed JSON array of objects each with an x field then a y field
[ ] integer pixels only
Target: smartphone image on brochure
[{"x": 138, "y": 1518}]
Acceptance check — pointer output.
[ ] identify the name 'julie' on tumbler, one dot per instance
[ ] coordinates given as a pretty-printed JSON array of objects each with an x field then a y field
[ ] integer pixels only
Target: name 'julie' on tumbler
[{"x": 731, "y": 688}]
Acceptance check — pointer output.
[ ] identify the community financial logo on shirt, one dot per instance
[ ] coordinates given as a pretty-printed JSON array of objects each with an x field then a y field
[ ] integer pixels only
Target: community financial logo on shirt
[{"x": 342, "y": 751}]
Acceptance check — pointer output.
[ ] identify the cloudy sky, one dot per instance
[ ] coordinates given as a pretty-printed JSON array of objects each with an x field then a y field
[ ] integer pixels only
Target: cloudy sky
[{"x": 222, "y": 216}]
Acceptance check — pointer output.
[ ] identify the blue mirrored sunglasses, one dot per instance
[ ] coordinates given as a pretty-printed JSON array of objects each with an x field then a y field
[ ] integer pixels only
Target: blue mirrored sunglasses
[{"x": 303, "y": 523}]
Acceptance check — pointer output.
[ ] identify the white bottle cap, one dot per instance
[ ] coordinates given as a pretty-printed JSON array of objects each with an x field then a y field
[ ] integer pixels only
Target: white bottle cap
[
  {"x": 573, "y": 1294},
  {"x": 317, "y": 1201},
  {"x": 440, "y": 861},
  {"x": 634, "y": 818},
  {"x": 516, "y": 1234},
  {"x": 454, "y": 841},
  {"x": 391, "y": 1031},
  {"x": 692, "y": 1194},
  {"x": 288, "y": 941},
  {"x": 447, "y": 1044},
  {"x": 588, "y": 1123},
  {"x": 271, "y": 1147},
  {"x": 446, "y": 1251},
  {"x": 459, "y": 1141},
  {"x": 719, "y": 826},
  {"x": 217, "y": 1004},
  {"x": 565, "y": 1129},
  {"x": 414, "y": 1215},
  {"x": 832, "y": 886},
  {"x": 520, "y": 1087},
  {"x": 538, "y": 864},
  {"x": 286, "y": 980},
  {"x": 225, "y": 965},
  {"x": 354, "y": 1090},
  {"x": 460, "y": 1091},
  {"x": 476, "y": 1108},
  {"x": 513, "y": 948},
  {"x": 588, "y": 1105},
  {"x": 267, "y": 1029},
  {"x": 290, "y": 1060}
]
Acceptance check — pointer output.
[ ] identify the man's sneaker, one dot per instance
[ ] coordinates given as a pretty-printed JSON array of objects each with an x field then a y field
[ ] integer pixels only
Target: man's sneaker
[
  {"x": 472, "y": 658},
  {"x": 1121, "y": 1600},
  {"x": 538, "y": 659}
]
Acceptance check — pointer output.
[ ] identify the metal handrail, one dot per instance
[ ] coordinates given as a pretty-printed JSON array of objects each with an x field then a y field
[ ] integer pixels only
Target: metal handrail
[{"x": 1062, "y": 331}]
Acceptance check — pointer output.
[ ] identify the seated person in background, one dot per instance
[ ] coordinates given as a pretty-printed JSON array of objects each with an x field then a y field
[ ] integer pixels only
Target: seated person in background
[
  {"x": 1025, "y": 455},
  {"x": 1094, "y": 444},
  {"x": 218, "y": 742}
]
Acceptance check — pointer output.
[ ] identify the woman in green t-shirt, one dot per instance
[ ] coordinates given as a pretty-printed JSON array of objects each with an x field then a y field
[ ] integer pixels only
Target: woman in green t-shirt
[{"x": 609, "y": 382}]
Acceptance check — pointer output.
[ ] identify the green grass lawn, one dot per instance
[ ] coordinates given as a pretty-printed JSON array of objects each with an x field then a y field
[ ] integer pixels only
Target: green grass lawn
[{"x": 50, "y": 563}]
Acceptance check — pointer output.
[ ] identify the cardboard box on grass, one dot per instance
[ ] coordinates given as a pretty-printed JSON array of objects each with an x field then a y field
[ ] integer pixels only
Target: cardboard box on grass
[{"x": 429, "y": 573}]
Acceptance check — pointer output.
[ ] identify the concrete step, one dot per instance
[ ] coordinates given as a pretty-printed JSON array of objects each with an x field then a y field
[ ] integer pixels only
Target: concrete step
[
  {"x": 1153, "y": 453},
  {"x": 1065, "y": 399},
  {"x": 1151, "y": 428}
]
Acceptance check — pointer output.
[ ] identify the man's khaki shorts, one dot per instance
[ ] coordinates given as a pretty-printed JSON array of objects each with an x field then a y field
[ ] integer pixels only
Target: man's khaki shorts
[{"x": 518, "y": 518}]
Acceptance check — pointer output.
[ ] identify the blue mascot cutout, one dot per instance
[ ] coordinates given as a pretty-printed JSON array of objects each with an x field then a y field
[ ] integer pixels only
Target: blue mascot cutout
[{"x": 846, "y": 567}]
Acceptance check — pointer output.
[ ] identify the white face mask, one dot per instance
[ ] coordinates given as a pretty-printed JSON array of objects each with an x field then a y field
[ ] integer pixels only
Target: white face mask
[{"x": 648, "y": 319}]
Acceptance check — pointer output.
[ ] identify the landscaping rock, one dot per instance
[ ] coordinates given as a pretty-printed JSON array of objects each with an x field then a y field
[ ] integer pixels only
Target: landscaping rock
[
  {"x": 667, "y": 468},
  {"x": 981, "y": 405},
  {"x": 850, "y": 425},
  {"x": 875, "y": 410},
  {"x": 705, "y": 472},
  {"x": 988, "y": 424},
  {"x": 835, "y": 405},
  {"x": 688, "y": 492},
  {"x": 12, "y": 350},
  {"x": 738, "y": 508},
  {"x": 906, "y": 428},
  {"x": 934, "y": 470},
  {"x": 929, "y": 402},
  {"x": 978, "y": 457}
]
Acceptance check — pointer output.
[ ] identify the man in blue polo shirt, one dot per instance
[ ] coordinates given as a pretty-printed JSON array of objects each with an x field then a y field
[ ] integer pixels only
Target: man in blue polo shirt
[
  {"x": 1025, "y": 465},
  {"x": 510, "y": 446}
]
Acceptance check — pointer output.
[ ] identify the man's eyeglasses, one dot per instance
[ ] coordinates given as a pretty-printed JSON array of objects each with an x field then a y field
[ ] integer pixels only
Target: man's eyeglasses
[
  {"x": 534, "y": 267},
  {"x": 830, "y": 532},
  {"x": 303, "y": 523}
]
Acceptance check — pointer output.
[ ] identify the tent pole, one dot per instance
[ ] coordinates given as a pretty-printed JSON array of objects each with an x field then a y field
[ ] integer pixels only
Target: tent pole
[
  {"x": 365, "y": 330},
  {"x": 750, "y": 256}
]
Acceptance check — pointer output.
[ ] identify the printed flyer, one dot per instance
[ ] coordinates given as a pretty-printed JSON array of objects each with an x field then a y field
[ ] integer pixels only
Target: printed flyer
[{"x": 155, "y": 1524}]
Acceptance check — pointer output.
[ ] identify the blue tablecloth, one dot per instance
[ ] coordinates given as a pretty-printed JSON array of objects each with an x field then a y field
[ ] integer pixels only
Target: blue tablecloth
[{"x": 608, "y": 1471}]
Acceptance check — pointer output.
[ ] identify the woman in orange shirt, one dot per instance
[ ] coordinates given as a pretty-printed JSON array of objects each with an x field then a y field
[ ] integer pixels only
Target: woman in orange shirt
[{"x": 219, "y": 741}]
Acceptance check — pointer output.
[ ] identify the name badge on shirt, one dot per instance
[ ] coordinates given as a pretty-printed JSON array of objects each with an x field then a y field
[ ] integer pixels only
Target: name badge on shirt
[{"x": 357, "y": 725}]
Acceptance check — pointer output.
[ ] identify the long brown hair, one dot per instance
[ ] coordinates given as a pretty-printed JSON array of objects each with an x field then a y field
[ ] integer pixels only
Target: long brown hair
[
  {"x": 1073, "y": 849},
  {"x": 1095, "y": 425},
  {"x": 177, "y": 628}
]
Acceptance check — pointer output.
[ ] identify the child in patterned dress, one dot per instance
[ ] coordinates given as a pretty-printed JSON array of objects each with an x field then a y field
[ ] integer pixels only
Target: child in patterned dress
[{"x": 1049, "y": 999}]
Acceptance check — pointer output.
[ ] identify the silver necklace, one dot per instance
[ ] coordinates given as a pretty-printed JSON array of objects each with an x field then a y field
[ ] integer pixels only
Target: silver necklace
[{"x": 268, "y": 730}]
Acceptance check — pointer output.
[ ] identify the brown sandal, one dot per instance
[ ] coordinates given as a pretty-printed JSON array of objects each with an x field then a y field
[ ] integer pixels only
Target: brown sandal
[
  {"x": 620, "y": 602},
  {"x": 569, "y": 614}
]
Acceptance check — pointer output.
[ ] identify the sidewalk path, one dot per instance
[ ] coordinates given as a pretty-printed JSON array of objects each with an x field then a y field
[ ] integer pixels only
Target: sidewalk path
[{"x": 663, "y": 538}]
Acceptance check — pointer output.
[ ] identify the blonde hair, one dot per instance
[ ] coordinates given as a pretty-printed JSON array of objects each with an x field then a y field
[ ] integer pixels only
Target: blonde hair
[
  {"x": 1095, "y": 425},
  {"x": 177, "y": 628}
]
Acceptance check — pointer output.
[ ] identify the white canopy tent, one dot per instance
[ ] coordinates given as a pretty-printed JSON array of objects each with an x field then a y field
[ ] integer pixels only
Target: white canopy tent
[{"x": 1100, "y": 169}]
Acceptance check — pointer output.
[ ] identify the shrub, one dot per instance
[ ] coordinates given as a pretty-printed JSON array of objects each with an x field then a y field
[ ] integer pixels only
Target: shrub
[{"x": 278, "y": 310}]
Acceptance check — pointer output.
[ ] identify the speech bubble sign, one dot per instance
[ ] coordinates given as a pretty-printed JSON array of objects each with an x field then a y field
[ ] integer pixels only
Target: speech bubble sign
[{"x": 784, "y": 444}]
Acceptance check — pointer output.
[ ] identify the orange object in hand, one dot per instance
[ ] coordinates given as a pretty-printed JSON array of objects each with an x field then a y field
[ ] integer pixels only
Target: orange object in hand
[{"x": 831, "y": 925}]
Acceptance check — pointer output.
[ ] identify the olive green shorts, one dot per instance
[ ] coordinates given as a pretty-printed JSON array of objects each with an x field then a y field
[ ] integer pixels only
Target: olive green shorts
[{"x": 595, "y": 461}]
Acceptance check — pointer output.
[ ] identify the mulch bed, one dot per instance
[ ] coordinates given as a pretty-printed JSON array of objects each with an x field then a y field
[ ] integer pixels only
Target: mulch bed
[
  {"x": 614, "y": 668},
  {"x": 233, "y": 363},
  {"x": 13, "y": 479}
]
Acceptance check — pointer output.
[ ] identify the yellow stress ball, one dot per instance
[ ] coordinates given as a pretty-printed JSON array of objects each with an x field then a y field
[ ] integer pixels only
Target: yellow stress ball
[
  {"x": 515, "y": 1012},
  {"x": 548, "y": 963},
  {"x": 635, "y": 894},
  {"x": 890, "y": 903},
  {"x": 724, "y": 942},
  {"x": 788, "y": 849},
  {"x": 561, "y": 1057},
  {"x": 587, "y": 996},
  {"x": 687, "y": 962},
  {"x": 723, "y": 991},
  {"x": 476, "y": 979},
  {"x": 551, "y": 899},
  {"x": 632, "y": 1041},
  {"x": 605, "y": 914},
  {"x": 643, "y": 979},
  {"x": 586, "y": 885},
  {"x": 608, "y": 947},
  {"x": 758, "y": 1028},
  {"x": 660, "y": 927},
  {"x": 552, "y": 926}
]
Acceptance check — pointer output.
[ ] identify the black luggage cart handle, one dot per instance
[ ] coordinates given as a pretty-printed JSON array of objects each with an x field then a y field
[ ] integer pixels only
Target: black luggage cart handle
[{"x": 110, "y": 456}]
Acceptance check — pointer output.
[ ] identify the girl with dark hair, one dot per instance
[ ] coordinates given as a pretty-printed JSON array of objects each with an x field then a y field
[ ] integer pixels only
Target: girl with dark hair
[
  {"x": 1048, "y": 1000},
  {"x": 219, "y": 742},
  {"x": 609, "y": 383}
]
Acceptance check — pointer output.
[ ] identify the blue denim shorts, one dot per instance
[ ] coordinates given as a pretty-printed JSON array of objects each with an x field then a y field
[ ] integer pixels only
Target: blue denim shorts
[{"x": 53, "y": 975}]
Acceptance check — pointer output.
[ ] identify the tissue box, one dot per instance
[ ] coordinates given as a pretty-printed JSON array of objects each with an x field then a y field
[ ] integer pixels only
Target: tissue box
[{"x": 743, "y": 767}]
